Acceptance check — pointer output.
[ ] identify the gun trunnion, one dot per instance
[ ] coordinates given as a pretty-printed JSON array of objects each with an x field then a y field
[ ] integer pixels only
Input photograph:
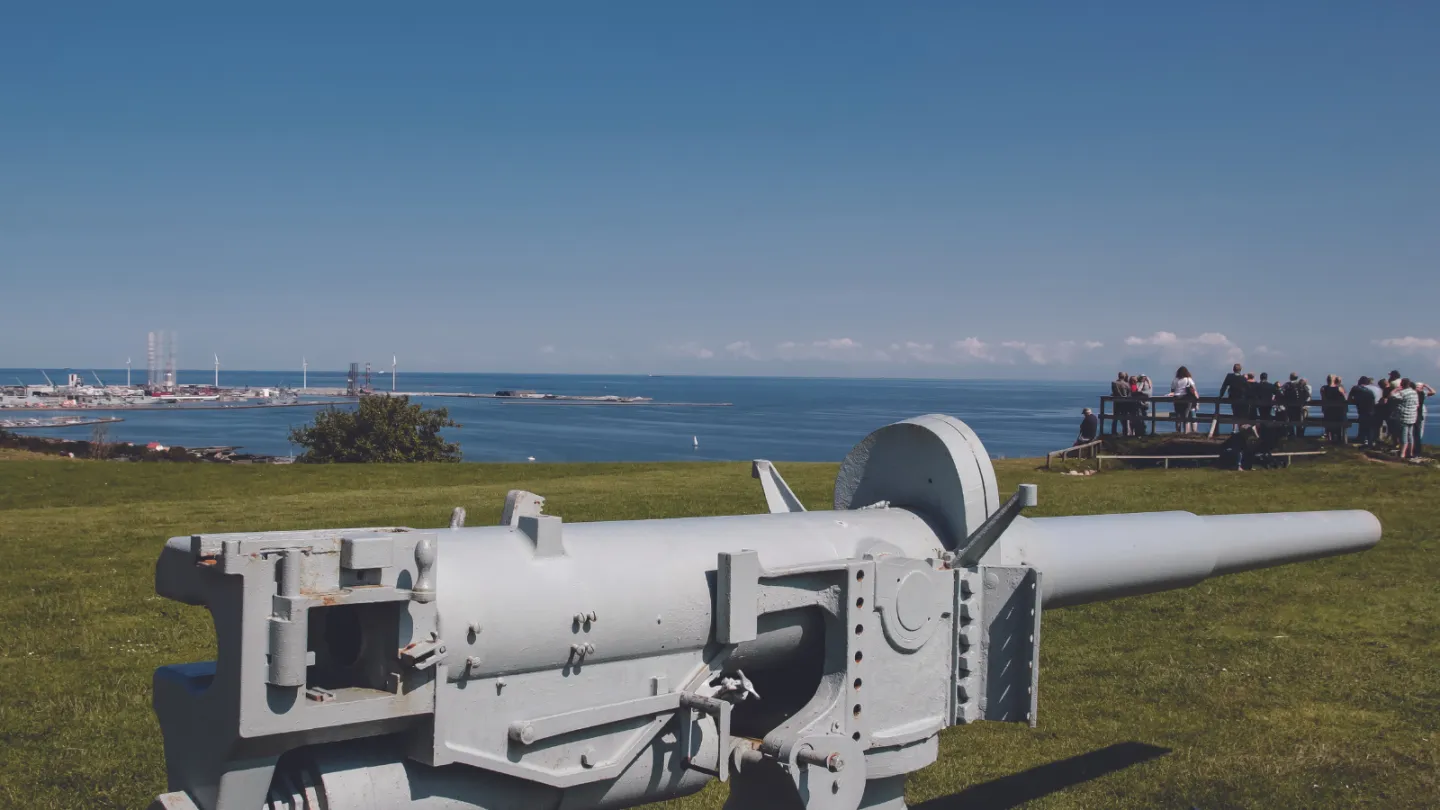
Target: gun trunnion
[{"x": 811, "y": 659}]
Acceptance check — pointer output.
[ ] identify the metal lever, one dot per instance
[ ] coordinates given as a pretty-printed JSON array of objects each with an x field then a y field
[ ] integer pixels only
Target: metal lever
[
  {"x": 778, "y": 497},
  {"x": 984, "y": 537},
  {"x": 720, "y": 710}
]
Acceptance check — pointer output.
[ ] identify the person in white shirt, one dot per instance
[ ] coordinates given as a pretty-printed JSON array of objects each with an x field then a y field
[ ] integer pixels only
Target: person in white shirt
[{"x": 1183, "y": 391}]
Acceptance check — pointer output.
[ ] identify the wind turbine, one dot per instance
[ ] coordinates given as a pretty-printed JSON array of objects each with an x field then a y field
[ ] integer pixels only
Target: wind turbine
[
  {"x": 392, "y": 373},
  {"x": 127, "y": 372},
  {"x": 217, "y": 371},
  {"x": 304, "y": 374}
]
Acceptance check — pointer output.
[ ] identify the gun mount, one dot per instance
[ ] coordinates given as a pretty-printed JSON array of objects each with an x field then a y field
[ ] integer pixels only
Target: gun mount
[{"x": 809, "y": 658}]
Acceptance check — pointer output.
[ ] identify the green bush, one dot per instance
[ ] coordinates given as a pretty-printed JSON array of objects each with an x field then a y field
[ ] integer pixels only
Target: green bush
[{"x": 381, "y": 429}]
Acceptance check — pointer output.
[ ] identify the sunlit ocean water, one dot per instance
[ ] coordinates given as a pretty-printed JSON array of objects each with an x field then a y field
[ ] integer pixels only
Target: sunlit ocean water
[{"x": 782, "y": 419}]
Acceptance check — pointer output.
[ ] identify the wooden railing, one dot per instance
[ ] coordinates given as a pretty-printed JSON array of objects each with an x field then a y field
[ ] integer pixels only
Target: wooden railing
[
  {"x": 1086, "y": 450},
  {"x": 1215, "y": 417}
]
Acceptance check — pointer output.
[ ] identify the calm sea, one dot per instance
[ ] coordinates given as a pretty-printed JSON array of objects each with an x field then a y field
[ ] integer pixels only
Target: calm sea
[{"x": 782, "y": 419}]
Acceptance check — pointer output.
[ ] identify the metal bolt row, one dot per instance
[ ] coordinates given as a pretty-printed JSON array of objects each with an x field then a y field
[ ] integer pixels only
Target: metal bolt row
[{"x": 965, "y": 643}]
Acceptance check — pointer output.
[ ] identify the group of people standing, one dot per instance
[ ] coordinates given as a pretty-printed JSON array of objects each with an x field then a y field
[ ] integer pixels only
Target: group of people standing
[
  {"x": 1394, "y": 406},
  {"x": 1392, "y": 410},
  {"x": 1132, "y": 393}
]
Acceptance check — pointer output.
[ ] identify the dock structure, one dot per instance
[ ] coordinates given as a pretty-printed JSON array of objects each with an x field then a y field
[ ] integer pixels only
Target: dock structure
[
  {"x": 43, "y": 422},
  {"x": 534, "y": 397}
]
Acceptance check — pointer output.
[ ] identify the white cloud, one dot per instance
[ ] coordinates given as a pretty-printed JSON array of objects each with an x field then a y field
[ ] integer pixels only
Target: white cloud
[
  {"x": 742, "y": 348},
  {"x": 1410, "y": 343},
  {"x": 975, "y": 348},
  {"x": 842, "y": 348},
  {"x": 1061, "y": 352},
  {"x": 968, "y": 351},
  {"x": 547, "y": 349},
  {"x": 1424, "y": 347},
  {"x": 1207, "y": 345},
  {"x": 691, "y": 349},
  {"x": 915, "y": 350}
]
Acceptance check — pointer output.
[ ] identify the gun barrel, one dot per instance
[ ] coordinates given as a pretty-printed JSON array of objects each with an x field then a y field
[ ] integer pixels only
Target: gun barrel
[{"x": 1099, "y": 557}]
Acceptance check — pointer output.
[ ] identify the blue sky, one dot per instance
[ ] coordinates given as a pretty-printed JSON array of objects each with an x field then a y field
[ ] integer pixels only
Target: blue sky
[{"x": 926, "y": 189}]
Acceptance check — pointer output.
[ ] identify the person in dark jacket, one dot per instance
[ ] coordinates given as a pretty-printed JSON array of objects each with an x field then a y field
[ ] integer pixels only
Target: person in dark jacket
[
  {"x": 1294, "y": 395},
  {"x": 1120, "y": 415},
  {"x": 1262, "y": 396},
  {"x": 1236, "y": 452},
  {"x": 1089, "y": 427},
  {"x": 1362, "y": 396},
  {"x": 1234, "y": 388},
  {"x": 1385, "y": 412},
  {"x": 1335, "y": 410}
]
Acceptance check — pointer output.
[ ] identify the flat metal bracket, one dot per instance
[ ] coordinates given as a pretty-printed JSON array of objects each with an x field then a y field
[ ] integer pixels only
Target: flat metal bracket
[
  {"x": 737, "y": 595},
  {"x": 528, "y": 732},
  {"x": 545, "y": 532}
]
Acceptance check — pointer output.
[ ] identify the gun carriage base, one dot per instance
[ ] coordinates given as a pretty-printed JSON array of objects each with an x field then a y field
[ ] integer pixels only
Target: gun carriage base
[{"x": 810, "y": 659}]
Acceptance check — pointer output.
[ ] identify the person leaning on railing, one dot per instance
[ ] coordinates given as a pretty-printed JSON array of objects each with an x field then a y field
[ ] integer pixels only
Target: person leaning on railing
[
  {"x": 1385, "y": 410},
  {"x": 1364, "y": 397},
  {"x": 1120, "y": 408},
  {"x": 1184, "y": 394},
  {"x": 1295, "y": 393},
  {"x": 1335, "y": 411},
  {"x": 1262, "y": 396},
  {"x": 1235, "y": 385}
]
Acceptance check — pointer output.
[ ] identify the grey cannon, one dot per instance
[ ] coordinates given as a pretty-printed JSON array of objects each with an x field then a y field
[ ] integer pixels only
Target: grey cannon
[{"x": 809, "y": 658}]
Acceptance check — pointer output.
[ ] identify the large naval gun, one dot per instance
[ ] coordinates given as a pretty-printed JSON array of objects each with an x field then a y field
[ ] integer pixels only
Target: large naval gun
[{"x": 810, "y": 659}]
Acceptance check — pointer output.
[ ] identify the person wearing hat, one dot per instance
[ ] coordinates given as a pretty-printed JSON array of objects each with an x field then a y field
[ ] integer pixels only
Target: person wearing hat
[{"x": 1089, "y": 428}]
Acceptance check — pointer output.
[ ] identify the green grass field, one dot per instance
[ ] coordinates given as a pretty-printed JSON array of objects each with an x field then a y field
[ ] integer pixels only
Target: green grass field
[{"x": 1315, "y": 685}]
